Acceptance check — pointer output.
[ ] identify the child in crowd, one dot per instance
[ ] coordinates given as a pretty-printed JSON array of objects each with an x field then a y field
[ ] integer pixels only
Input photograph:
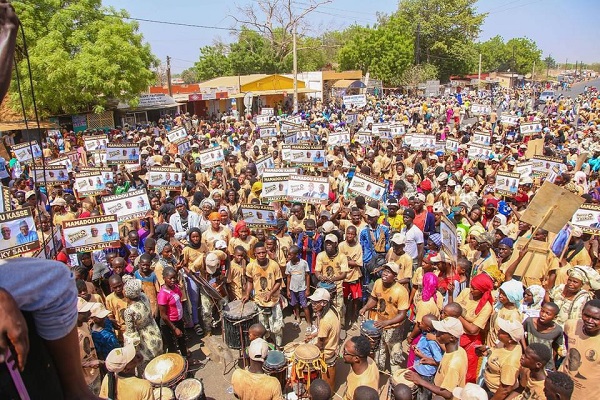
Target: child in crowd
[
  {"x": 236, "y": 274},
  {"x": 428, "y": 355},
  {"x": 532, "y": 301},
  {"x": 532, "y": 375},
  {"x": 150, "y": 285},
  {"x": 298, "y": 284},
  {"x": 102, "y": 331},
  {"x": 544, "y": 330},
  {"x": 82, "y": 291}
]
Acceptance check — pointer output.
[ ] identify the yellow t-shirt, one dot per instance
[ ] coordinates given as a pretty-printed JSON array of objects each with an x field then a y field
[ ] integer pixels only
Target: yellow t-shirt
[
  {"x": 116, "y": 306},
  {"x": 389, "y": 301},
  {"x": 264, "y": 279},
  {"x": 583, "y": 360},
  {"x": 331, "y": 267},
  {"x": 247, "y": 244},
  {"x": 87, "y": 352},
  {"x": 534, "y": 390},
  {"x": 429, "y": 307},
  {"x": 345, "y": 223},
  {"x": 504, "y": 313},
  {"x": 249, "y": 386},
  {"x": 370, "y": 378},
  {"x": 404, "y": 261},
  {"x": 354, "y": 253},
  {"x": 452, "y": 371},
  {"x": 329, "y": 329},
  {"x": 210, "y": 237},
  {"x": 234, "y": 279},
  {"x": 132, "y": 388},
  {"x": 469, "y": 305},
  {"x": 502, "y": 367},
  {"x": 285, "y": 242}
]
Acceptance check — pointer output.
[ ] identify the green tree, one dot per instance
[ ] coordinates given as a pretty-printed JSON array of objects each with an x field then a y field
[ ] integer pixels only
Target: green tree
[
  {"x": 524, "y": 53},
  {"x": 213, "y": 62},
  {"x": 415, "y": 74},
  {"x": 252, "y": 54},
  {"x": 446, "y": 30},
  {"x": 550, "y": 62},
  {"x": 83, "y": 56},
  {"x": 189, "y": 75},
  {"x": 494, "y": 54}
]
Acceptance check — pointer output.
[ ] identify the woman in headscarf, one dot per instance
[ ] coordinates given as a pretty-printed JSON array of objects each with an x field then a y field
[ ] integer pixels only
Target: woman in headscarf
[
  {"x": 497, "y": 221},
  {"x": 431, "y": 303},
  {"x": 167, "y": 233},
  {"x": 255, "y": 191},
  {"x": 141, "y": 329},
  {"x": 572, "y": 296},
  {"x": 206, "y": 206},
  {"x": 242, "y": 237},
  {"x": 477, "y": 308},
  {"x": 232, "y": 202},
  {"x": 216, "y": 232},
  {"x": 192, "y": 262},
  {"x": 532, "y": 301},
  {"x": 508, "y": 307},
  {"x": 434, "y": 242},
  {"x": 196, "y": 200},
  {"x": 580, "y": 181},
  {"x": 217, "y": 196}
]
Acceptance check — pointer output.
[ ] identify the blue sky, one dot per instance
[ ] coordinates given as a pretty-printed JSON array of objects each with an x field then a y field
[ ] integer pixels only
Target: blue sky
[{"x": 564, "y": 29}]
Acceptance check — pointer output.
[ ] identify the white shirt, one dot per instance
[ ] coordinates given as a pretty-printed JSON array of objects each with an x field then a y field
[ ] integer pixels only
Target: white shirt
[{"x": 414, "y": 237}]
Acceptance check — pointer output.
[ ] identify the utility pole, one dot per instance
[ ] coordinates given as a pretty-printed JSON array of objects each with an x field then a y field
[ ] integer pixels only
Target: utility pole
[
  {"x": 295, "y": 67},
  {"x": 169, "y": 76},
  {"x": 533, "y": 72},
  {"x": 512, "y": 77},
  {"x": 479, "y": 74},
  {"x": 418, "y": 46}
]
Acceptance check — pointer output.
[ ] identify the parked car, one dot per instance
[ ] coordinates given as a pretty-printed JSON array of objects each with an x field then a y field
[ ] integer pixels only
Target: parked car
[{"x": 546, "y": 96}]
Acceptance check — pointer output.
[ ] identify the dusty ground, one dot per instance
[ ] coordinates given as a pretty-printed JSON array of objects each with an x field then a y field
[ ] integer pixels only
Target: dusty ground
[{"x": 217, "y": 383}]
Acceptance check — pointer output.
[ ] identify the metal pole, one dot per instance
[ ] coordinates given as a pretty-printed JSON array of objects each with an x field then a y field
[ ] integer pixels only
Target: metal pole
[
  {"x": 169, "y": 76},
  {"x": 295, "y": 66},
  {"x": 479, "y": 74}
]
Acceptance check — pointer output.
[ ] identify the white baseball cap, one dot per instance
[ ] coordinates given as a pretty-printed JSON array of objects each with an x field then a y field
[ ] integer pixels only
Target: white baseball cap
[
  {"x": 320, "y": 294},
  {"x": 399, "y": 238}
]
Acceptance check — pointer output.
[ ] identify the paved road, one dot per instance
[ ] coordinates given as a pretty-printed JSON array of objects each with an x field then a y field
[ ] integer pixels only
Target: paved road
[{"x": 577, "y": 88}]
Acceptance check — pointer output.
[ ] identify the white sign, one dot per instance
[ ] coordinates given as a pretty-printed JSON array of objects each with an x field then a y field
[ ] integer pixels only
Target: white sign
[
  {"x": 177, "y": 134},
  {"x": 211, "y": 157},
  {"x": 264, "y": 163},
  {"x": 528, "y": 129},
  {"x": 509, "y": 119},
  {"x": 481, "y": 153},
  {"x": 366, "y": 186},
  {"x": 481, "y": 109},
  {"x": 397, "y": 130},
  {"x": 267, "y": 111},
  {"x": 338, "y": 138},
  {"x": 308, "y": 189},
  {"x": 156, "y": 99},
  {"x": 357, "y": 100}
]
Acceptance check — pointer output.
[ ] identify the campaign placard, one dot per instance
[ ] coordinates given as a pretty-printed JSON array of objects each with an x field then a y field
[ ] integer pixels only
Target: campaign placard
[
  {"x": 291, "y": 137},
  {"x": 295, "y": 119},
  {"x": 481, "y": 109},
  {"x": 211, "y": 157},
  {"x": 364, "y": 138},
  {"x": 385, "y": 134},
  {"x": 184, "y": 147},
  {"x": 283, "y": 172},
  {"x": 274, "y": 188},
  {"x": 351, "y": 118},
  {"x": 50, "y": 245},
  {"x": 177, "y": 134},
  {"x": 508, "y": 119},
  {"x": 107, "y": 174},
  {"x": 65, "y": 161},
  {"x": 482, "y": 138},
  {"x": 375, "y": 128},
  {"x": 542, "y": 165},
  {"x": 587, "y": 217},
  {"x": 89, "y": 183},
  {"x": 95, "y": 142},
  {"x": 525, "y": 169},
  {"x": 165, "y": 178},
  {"x": 530, "y": 129},
  {"x": 263, "y": 163},
  {"x": 127, "y": 206},
  {"x": 364, "y": 185},
  {"x": 452, "y": 145},
  {"x": 98, "y": 158},
  {"x": 5, "y": 199},
  {"x": 477, "y": 152},
  {"x": 267, "y": 111},
  {"x": 307, "y": 155},
  {"x": 422, "y": 142},
  {"x": 303, "y": 135},
  {"x": 308, "y": 189},
  {"x": 397, "y": 130},
  {"x": 338, "y": 138},
  {"x": 449, "y": 238},
  {"x": 258, "y": 215},
  {"x": 51, "y": 174},
  {"x": 287, "y": 126},
  {"x": 27, "y": 152},
  {"x": 90, "y": 234},
  {"x": 18, "y": 231},
  {"x": 357, "y": 100},
  {"x": 507, "y": 183},
  {"x": 122, "y": 153},
  {"x": 263, "y": 120},
  {"x": 267, "y": 131}
]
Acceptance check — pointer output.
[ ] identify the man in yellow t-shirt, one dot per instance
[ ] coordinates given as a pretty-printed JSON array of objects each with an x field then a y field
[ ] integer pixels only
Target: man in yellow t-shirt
[
  {"x": 452, "y": 372},
  {"x": 328, "y": 331},
  {"x": 264, "y": 277},
  {"x": 363, "y": 370},
  {"x": 122, "y": 362},
  {"x": 253, "y": 383},
  {"x": 331, "y": 267},
  {"x": 389, "y": 300},
  {"x": 396, "y": 254},
  {"x": 352, "y": 284}
]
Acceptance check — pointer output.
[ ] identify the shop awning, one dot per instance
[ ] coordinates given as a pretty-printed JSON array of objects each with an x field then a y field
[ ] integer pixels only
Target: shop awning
[
  {"x": 19, "y": 126},
  {"x": 273, "y": 92},
  {"x": 349, "y": 84}
]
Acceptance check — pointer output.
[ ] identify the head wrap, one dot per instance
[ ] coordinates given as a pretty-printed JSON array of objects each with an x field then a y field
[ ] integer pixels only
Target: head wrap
[
  {"x": 214, "y": 216},
  {"x": 238, "y": 228},
  {"x": 160, "y": 231},
  {"x": 256, "y": 187},
  {"x": 180, "y": 201},
  {"x": 160, "y": 246},
  {"x": 485, "y": 285},
  {"x": 192, "y": 244},
  {"x": 581, "y": 179},
  {"x": 495, "y": 273},
  {"x": 588, "y": 275},
  {"x": 436, "y": 238},
  {"x": 538, "y": 294},
  {"x": 209, "y": 202},
  {"x": 430, "y": 285},
  {"x": 502, "y": 218},
  {"x": 132, "y": 289},
  {"x": 513, "y": 290}
]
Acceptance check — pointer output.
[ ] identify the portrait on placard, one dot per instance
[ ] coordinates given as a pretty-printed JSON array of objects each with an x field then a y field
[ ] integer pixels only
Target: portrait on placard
[
  {"x": 166, "y": 178},
  {"x": 364, "y": 185},
  {"x": 258, "y": 216},
  {"x": 19, "y": 234},
  {"x": 89, "y": 234},
  {"x": 587, "y": 217},
  {"x": 308, "y": 189},
  {"x": 127, "y": 206},
  {"x": 507, "y": 183},
  {"x": 274, "y": 188}
]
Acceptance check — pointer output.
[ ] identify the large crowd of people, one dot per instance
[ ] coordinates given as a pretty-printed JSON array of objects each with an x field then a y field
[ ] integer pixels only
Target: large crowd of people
[{"x": 434, "y": 286}]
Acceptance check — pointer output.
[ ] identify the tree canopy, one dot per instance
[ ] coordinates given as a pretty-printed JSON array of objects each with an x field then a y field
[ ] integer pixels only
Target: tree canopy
[
  {"x": 496, "y": 55},
  {"x": 83, "y": 56}
]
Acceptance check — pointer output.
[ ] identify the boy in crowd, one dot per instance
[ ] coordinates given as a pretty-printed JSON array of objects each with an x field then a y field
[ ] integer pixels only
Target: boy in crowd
[{"x": 298, "y": 284}]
